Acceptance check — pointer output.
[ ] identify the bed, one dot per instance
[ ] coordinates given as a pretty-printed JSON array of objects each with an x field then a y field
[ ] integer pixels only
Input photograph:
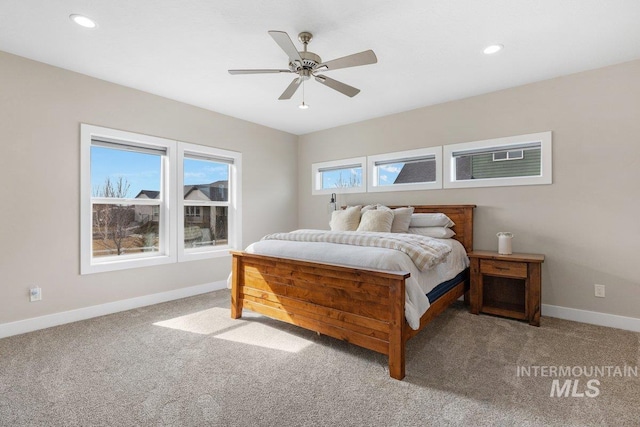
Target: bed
[{"x": 363, "y": 306}]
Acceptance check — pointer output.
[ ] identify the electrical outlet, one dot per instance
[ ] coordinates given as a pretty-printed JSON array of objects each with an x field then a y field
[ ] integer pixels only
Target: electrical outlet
[
  {"x": 35, "y": 294},
  {"x": 599, "y": 289}
]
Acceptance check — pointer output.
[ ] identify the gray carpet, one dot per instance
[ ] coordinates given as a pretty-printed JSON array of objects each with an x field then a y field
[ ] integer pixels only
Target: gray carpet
[{"x": 187, "y": 363}]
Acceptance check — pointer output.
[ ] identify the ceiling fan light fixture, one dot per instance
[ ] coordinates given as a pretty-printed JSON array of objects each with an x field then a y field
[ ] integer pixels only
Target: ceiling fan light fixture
[
  {"x": 83, "y": 21},
  {"x": 494, "y": 48}
]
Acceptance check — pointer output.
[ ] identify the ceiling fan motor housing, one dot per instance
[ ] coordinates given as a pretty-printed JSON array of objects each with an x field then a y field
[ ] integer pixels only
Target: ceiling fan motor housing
[{"x": 309, "y": 61}]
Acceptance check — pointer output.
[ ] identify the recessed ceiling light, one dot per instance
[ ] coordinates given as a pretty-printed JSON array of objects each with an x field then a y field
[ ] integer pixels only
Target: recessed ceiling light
[
  {"x": 494, "y": 48},
  {"x": 83, "y": 21}
]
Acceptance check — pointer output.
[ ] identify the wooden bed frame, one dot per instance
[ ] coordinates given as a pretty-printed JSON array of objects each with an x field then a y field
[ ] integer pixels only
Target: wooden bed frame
[{"x": 364, "y": 307}]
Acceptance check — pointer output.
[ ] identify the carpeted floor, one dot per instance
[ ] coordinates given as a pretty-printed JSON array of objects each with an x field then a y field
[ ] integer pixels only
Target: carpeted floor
[{"x": 187, "y": 363}]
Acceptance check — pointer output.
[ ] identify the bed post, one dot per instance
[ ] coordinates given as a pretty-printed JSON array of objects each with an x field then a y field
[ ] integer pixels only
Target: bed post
[
  {"x": 396, "y": 326},
  {"x": 236, "y": 303}
]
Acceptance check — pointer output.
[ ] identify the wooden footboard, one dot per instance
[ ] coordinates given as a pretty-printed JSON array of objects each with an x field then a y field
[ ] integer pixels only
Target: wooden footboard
[{"x": 364, "y": 307}]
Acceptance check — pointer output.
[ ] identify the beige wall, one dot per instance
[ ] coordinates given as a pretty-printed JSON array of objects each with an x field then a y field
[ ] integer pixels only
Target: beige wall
[
  {"x": 586, "y": 222},
  {"x": 41, "y": 108}
]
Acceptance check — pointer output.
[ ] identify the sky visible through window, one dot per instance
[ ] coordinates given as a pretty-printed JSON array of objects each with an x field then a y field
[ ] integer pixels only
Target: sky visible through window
[
  {"x": 142, "y": 170},
  {"x": 352, "y": 177},
  {"x": 387, "y": 174},
  {"x": 204, "y": 171},
  {"x": 341, "y": 178}
]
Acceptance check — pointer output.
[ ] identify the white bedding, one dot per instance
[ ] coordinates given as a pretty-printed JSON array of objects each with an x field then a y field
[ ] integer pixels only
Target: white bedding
[{"x": 417, "y": 286}]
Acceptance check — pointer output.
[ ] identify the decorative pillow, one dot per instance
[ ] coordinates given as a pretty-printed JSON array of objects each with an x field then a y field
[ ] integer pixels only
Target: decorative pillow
[
  {"x": 345, "y": 219},
  {"x": 376, "y": 220},
  {"x": 430, "y": 220},
  {"x": 437, "y": 232},
  {"x": 401, "y": 218},
  {"x": 368, "y": 208}
]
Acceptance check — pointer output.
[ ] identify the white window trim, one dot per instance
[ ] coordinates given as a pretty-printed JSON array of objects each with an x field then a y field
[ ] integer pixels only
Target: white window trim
[
  {"x": 545, "y": 138},
  {"x": 404, "y": 155},
  {"x": 316, "y": 176},
  {"x": 166, "y": 254},
  {"x": 171, "y": 215},
  {"x": 234, "y": 203}
]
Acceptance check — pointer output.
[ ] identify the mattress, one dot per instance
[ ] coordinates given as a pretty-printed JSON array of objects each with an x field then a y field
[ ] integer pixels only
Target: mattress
[{"x": 446, "y": 286}]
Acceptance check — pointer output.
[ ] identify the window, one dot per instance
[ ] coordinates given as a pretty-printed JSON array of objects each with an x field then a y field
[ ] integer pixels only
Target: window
[
  {"x": 340, "y": 176},
  {"x": 129, "y": 213},
  {"x": 516, "y": 160},
  {"x": 206, "y": 176},
  {"x": 122, "y": 223},
  {"x": 406, "y": 170},
  {"x": 192, "y": 211}
]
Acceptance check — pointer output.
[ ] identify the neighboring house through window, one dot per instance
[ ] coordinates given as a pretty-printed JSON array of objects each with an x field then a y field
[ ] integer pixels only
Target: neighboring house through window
[
  {"x": 419, "y": 169},
  {"x": 515, "y": 160}
]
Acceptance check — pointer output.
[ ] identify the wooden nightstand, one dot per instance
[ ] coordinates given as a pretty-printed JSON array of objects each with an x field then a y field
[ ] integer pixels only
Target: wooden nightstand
[{"x": 506, "y": 285}]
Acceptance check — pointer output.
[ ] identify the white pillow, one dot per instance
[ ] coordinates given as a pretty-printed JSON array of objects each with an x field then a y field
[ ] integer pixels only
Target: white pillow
[
  {"x": 345, "y": 219},
  {"x": 437, "y": 232},
  {"x": 430, "y": 220},
  {"x": 376, "y": 220},
  {"x": 401, "y": 220}
]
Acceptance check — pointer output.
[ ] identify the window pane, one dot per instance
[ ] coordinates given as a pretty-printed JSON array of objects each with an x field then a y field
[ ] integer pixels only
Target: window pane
[
  {"x": 516, "y": 154},
  {"x": 205, "y": 226},
  {"x": 124, "y": 229},
  {"x": 483, "y": 166},
  {"x": 501, "y": 155},
  {"x": 206, "y": 180},
  {"x": 342, "y": 178},
  {"x": 409, "y": 172},
  {"x": 125, "y": 174}
]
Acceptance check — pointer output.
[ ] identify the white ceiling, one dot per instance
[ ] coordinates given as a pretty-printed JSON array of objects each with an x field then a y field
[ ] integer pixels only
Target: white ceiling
[{"x": 428, "y": 51}]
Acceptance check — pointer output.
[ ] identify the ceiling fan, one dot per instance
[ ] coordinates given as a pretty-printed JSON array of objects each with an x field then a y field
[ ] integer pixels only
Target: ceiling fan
[{"x": 307, "y": 64}]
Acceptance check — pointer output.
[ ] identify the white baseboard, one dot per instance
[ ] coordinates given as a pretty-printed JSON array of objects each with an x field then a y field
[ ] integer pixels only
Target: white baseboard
[
  {"x": 36, "y": 323},
  {"x": 592, "y": 317},
  {"x": 33, "y": 324}
]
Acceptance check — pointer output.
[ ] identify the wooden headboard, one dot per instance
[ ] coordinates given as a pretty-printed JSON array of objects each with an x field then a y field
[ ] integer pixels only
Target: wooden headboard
[{"x": 462, "y": 215}]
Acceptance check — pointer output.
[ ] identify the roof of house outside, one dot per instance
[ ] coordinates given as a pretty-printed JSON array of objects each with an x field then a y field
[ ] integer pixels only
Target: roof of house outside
[
  {"x": 205, "y": 189},
  {"x": 412, "y": 173},
  {"x": 151, "y": 194}
]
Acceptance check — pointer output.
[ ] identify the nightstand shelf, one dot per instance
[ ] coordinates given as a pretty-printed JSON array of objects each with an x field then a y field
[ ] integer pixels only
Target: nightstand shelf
[{"x": 506, "y": 285}]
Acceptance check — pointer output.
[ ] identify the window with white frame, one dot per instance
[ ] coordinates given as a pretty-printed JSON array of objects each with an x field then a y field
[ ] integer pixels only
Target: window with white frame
[
  {"x": 131, "y": 194},
  {"x": 339, "y": 176},
  {"x": 207, "y": 197},
  {"x": 419, "y": 169},
  {"x": 515, "y": 160}
]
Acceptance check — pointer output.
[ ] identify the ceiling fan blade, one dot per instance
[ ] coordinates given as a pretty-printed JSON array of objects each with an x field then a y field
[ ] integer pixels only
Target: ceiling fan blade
[
  {"x": 363, "y": 58},
  {"x": 339, "y": 86},
  {"x": 285, "y": 43},
  {"x": 291, "y": 89},
  {"x": 258, "y": 71}
]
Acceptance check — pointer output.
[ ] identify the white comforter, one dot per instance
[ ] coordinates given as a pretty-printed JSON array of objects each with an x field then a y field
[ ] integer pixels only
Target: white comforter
[{"x": 417, "y": 286}]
